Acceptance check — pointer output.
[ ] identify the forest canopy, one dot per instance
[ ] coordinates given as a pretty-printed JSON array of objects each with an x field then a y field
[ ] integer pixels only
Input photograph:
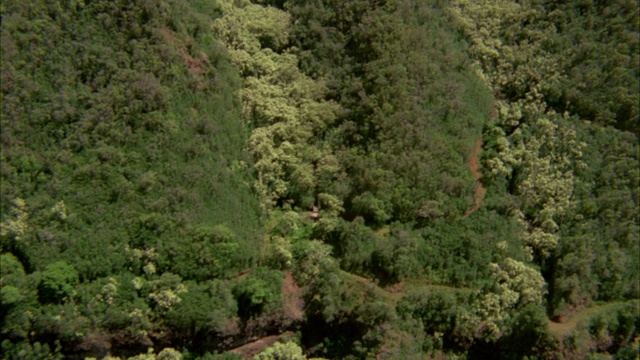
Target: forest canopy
[{"x": 286, "y": 179}]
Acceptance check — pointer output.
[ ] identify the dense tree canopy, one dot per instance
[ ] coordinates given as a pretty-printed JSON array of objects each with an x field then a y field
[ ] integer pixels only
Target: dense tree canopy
[{"x": 287, "y": 179}]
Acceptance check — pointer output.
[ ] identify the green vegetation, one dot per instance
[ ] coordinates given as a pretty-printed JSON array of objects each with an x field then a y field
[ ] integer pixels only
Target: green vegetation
[{"x": 194, "y": 179}]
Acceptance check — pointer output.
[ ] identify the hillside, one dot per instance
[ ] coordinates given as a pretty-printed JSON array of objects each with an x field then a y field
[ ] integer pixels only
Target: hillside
[{"x": 395, "y": 179}]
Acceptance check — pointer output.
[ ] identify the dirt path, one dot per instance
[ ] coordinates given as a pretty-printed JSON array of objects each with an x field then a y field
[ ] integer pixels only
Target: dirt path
[
  {"x": 292, "y": 302},
  {"x": 249, "y": 350},
  {"x": 474, "y": 165}
]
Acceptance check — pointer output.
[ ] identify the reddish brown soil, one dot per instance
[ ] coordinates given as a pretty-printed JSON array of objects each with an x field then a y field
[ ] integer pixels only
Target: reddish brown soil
[
  {"x": 197, "y": 65},
  {"x": 480, "y": 191},
  {"x": 292, "y": 299},
  {"x": 397, "y": 288},
  {"x": 249, "y": 350}
]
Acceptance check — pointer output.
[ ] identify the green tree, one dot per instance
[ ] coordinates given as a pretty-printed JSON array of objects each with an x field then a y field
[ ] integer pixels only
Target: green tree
[
  {"x": 36, "y": 351},
  {"x": 518, "y": 285},
  {"x": 206, "y": 308},
  {"x": 395, "y": 257},
  {"x": 281, "y": 351},
  {"x": 18, "y": 226},
  {"x": 166, "y": 292},
  {"x": 11, "y": 271},
  {"x": 260, "y": 291},
  {"x": 58, "y": 282},
  {"x": 284, "y": 107}
]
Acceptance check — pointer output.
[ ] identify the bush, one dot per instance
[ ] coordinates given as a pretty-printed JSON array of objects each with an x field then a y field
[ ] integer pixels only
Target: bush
[
  {"x": 260, "y": 291},
  {"x": 58, "y": 282}
]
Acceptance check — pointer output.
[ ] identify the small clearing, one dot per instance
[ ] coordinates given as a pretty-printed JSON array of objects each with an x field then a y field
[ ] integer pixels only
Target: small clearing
[
  {"x": 474, "y": 165},
  {"x": 292, "y": 299}
]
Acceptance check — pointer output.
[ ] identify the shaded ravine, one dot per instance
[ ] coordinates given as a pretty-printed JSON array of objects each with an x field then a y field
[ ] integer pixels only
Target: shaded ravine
[{"x": 480, "y": 190}]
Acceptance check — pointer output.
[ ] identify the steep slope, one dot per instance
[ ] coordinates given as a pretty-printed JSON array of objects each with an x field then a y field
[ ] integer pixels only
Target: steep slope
[{"x": 125, "y": 187}]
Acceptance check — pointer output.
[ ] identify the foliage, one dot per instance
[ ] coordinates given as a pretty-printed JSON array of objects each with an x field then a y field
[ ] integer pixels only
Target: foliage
[
  {"x": 394, "y": 259},
  {"x": 582, "y": 57},
  {"x": 199, "y": 174},
  {"x": 284, "y": 107},
  {"x": 122, "y": 154},
  {"x": 259, "y": 292},
  {"x": 517, "y": 287},
  {"x": 204, "y": 309},
  {"x": 58, "y": 282},
  {"x": 543, "y": 153},
  {"x": 165, "y": 354},
  {"x": 281, "y": 351},
  {"x": 610, "y": 330},
  {"x": 393, "y": 103},
  {"x": 34, "y": 351}
]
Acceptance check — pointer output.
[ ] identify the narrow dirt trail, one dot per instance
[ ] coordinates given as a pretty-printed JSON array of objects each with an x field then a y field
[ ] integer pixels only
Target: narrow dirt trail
[{"x": 474, "y": 165}]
